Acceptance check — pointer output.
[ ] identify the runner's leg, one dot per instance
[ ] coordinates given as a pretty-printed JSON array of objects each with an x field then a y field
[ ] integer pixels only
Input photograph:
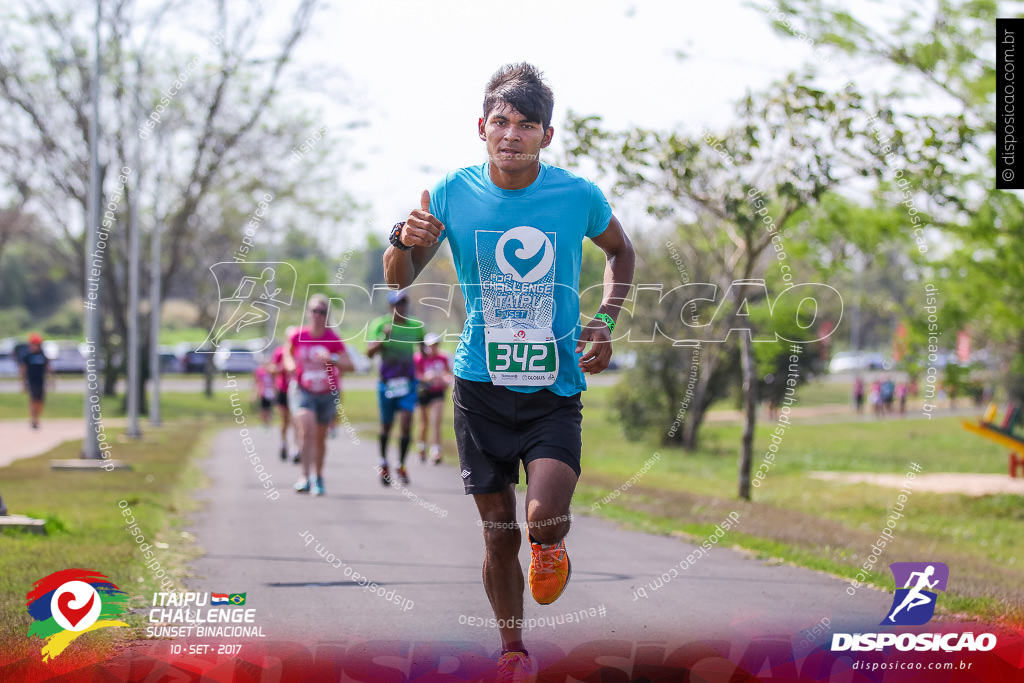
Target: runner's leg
[
  {"x": 405, "y": 424},
  {"x": 286, "y": 419},
  {"x": 436, "y": 409},
  {"x": 321, "y": 448},
  {"x": 549, "y": 490},
  {"x": 306, "y": 421},
  {"x": 421, "y": 443},
  {"x": 503, "y": 577},
  {"x": 385, "y": 435}
]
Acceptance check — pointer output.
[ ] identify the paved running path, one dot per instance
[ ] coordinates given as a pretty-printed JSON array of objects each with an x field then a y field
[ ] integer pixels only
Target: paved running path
[{"x": 256, "y": 545}]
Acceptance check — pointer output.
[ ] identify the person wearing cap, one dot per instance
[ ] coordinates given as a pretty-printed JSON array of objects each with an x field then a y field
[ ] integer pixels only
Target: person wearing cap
[
  {"x": 434, "y": 373},
  {"x": 395, "y": 337},
  {"x": 36, "y": 372}
]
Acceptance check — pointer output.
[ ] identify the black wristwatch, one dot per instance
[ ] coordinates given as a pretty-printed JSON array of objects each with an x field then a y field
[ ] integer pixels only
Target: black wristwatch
[{"x": 396, "y": 237}]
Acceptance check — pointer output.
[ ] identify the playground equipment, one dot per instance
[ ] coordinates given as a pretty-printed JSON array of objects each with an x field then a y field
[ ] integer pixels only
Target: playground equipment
[{"x": 1002, "y": 434}]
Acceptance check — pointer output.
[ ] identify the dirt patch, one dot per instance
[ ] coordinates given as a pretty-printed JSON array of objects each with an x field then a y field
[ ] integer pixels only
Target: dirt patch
[{"x": 940, "y": 482}]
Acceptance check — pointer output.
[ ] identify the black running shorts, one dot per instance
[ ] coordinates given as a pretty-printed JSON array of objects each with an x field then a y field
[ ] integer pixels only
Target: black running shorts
[
  {"x": 36, "y": 392},
  {"x": 496, "y": 428}
]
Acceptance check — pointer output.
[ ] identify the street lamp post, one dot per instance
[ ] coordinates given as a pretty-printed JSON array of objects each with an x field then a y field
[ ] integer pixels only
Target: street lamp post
[{"x": 91, "y": 443}]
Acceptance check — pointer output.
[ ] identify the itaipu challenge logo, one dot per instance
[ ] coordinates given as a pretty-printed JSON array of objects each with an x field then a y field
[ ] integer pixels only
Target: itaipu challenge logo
[{"x": 71, "y": 602}]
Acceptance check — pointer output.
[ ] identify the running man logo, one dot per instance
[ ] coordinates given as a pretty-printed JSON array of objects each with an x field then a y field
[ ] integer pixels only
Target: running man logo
[
  {"x": 70, "y": 603},
  {"x": 255, "y": 302},
  {"x": 914, "y": 603}
]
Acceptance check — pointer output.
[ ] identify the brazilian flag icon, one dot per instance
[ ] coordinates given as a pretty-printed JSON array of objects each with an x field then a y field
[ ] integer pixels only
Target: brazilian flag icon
[{"x": 237, "y": 598}]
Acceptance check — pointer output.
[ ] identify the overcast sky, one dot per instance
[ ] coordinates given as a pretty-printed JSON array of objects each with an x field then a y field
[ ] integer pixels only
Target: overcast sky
[{"x": 417, "y": 71}]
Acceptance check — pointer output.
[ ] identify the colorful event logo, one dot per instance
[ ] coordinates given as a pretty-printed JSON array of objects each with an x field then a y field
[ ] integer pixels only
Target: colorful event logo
[
  {"x": 68, "y": 603},
  {"x": 914, "y": 603}
]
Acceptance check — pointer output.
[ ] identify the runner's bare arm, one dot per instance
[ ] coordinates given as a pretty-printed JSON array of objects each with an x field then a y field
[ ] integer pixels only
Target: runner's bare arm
[
  {"x": 421, "y": 231},
  {"x": 618, "y": 277},
  {"x": 374, "y": 347},
  {"x": 287, "y": 359},
  {"x": 342, "y": 361}
]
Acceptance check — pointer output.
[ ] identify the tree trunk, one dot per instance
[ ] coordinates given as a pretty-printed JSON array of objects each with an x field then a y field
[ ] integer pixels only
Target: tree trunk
[
  {"x": 208, "y": 371},
  {"x": 750, "y": 414},
  {"x": 110, "y": 368},
  {"x": 710, "y": 360},
  {"x": 142, "y": 379}
]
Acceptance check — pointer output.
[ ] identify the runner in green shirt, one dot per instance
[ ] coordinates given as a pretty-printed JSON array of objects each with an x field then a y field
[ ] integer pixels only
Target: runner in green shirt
[{"x": 396, "y": 337}]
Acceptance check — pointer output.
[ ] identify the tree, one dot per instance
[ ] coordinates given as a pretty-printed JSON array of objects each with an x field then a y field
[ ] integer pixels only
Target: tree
[
  {"x": 943, "y": 52},
  {"x": 200, "y": 131},
  {"x": 731, "y": 197}
]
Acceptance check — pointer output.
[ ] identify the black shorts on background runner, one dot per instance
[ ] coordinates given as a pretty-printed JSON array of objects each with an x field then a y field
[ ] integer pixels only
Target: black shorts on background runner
[
  {"x": 496, "y": 427},
  {"x": 36, "y": 391},
  {"x": 425, "y": 396}
]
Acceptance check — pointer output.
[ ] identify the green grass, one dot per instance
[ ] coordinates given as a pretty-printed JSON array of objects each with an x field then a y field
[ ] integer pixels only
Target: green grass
[
  {"x": 360, "y": 406},
  {"x": 824, "y": 525},
  {"x": 828, "y": 526},
  {"x": 86, "y": 528},
  {"x": 813, "y": 394}
]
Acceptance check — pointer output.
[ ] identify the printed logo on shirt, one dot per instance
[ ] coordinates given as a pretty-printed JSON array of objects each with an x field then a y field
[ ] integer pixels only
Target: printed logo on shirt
[{"x": 517, "y": 274}]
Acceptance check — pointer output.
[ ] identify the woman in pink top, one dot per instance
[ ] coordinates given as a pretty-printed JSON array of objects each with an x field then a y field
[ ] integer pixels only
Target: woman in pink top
[
  {"x": 434, "y": 374},
  {"x": 263, "y": 390},
  {"x": 315, "y": 355}
]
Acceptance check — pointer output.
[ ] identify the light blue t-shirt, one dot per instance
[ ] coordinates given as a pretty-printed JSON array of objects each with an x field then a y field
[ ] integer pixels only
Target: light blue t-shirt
[{"x": 518, "y": 254}]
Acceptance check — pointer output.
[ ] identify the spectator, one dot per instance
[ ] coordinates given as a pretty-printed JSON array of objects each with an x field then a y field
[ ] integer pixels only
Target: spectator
[
  {"x": 36, "y": 374},
  {"x": 858, "y": 394}
]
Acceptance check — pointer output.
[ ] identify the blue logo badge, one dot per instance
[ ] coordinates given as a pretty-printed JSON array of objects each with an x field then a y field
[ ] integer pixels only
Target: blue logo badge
[{"x": 914, "y": 603}]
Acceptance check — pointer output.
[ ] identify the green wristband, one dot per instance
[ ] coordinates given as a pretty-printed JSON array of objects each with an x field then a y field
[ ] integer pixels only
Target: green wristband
[{"x": 607, "y": 319}]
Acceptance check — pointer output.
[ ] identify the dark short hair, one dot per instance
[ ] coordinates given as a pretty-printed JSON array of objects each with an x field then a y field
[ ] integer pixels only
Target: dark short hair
[{"x": 520, "y": 86}]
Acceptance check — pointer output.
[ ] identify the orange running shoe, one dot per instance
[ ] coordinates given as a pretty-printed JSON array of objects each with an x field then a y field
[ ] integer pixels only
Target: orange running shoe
[
  {"x": 549, "y": 572},
  {"x": 515, "y": 667}
]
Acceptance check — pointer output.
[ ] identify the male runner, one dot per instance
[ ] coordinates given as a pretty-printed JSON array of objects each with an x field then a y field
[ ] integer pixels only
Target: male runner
[
  {"x": 396, "y": 337},
  {"x": 516, "y": 227},
  {"x": 36, "y": 373}
]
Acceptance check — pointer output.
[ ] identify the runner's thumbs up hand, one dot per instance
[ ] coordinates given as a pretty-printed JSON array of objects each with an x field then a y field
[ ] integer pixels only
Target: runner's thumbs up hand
[{"x": 421, "y": 228}]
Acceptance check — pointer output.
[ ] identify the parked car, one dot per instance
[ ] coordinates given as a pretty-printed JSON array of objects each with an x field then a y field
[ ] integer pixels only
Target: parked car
[
  {"x": 8, "y": 365},
  {"x": 190, "y": 359},
  {"x": 169, "y": 360},
  {"x": 65, "y": 355},
  {"x": 9, "y": 357},
  {"x": 855, "y": 361},
  {"x": 239, "y": 356}
]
